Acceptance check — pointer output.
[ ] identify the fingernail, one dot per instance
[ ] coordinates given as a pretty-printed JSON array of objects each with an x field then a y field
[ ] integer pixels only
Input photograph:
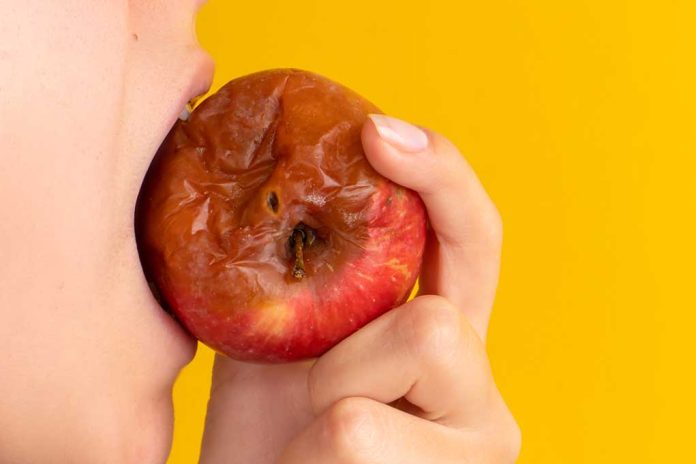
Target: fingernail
[{"x": 401, "y": 134}]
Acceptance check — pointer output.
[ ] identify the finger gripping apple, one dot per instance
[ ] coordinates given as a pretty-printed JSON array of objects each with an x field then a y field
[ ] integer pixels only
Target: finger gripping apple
[{"x": 264, "y": 229}]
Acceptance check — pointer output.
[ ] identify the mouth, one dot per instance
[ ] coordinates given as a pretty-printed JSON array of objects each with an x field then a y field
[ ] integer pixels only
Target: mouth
[
  {"x": 199, "y": 84},
  {"x": 197, "y": 81}
]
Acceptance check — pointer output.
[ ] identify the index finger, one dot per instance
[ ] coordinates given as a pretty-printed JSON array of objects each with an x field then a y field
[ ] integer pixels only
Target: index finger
[{"x": 462, "y": 262}]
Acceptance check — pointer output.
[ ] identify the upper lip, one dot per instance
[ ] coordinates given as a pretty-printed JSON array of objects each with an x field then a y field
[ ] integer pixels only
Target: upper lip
[
  {"x": 199, "y": 80},
  {"x": 201, "y": 68},
  {"x": 202, "y": 77}
]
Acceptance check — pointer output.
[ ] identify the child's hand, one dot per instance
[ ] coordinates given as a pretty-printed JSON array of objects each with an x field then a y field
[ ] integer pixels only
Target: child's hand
[{"x": 414, "y": 385}]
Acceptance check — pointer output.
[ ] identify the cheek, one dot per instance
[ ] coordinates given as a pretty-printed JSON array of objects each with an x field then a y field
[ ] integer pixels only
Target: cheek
[
  {"x": 84, "y": 331},
  {"x": 163, "y": 20}
]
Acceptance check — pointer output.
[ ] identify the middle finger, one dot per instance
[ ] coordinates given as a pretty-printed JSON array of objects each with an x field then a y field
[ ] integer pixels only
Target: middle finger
[{"x": 424, "y": 351}]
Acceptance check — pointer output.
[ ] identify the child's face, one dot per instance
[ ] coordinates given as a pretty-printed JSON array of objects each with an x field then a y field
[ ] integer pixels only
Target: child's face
[{"x": 88, "y": 90}]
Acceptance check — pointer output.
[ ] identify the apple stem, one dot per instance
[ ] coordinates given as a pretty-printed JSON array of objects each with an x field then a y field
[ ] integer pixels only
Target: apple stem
[{"x": 298, "y": 270}]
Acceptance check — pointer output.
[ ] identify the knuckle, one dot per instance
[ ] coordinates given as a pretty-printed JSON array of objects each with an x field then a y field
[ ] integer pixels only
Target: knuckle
[
  {"x": 505, "y": 441},
  {"x": 446, "y": 163},
  {"x": 432, "y": 327},
  {"x": 453, "y": 169},
  {"x": 442, "y": 144},
  {"x": 513, "y": 439},
  {"x": 493, "y": 225},
  {"x": 351, "y": 430}
]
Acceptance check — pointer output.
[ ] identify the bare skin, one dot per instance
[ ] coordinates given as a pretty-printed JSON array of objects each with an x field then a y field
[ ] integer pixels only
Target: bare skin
[
  {"x": 414, "y": 385},
  {"x": 88, "y": 93}
]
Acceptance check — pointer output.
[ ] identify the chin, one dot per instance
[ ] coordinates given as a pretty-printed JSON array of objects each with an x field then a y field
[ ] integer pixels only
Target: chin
[
  {"x": 132, "y": 420},
  {"x": 145, "y": 435},
  {"x": 155, "y": 436}
]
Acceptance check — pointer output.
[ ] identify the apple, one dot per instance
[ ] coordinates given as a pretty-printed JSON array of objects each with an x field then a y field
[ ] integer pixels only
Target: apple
[{"x": 263, "y": 228}]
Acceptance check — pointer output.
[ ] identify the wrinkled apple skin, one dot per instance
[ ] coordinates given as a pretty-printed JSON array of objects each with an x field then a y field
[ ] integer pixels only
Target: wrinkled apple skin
[{"x": 229, "y": 187}]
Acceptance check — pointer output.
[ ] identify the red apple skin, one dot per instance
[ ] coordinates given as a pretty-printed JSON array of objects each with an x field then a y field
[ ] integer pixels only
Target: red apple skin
[{"x": 226, "y": 192}]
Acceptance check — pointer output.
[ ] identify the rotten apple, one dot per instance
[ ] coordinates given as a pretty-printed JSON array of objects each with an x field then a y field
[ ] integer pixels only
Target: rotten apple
[{"x": 263, "y": 228}]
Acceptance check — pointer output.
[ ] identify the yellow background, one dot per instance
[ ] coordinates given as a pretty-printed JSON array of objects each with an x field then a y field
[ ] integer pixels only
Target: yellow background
[{"x": 580, "y": 118}]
